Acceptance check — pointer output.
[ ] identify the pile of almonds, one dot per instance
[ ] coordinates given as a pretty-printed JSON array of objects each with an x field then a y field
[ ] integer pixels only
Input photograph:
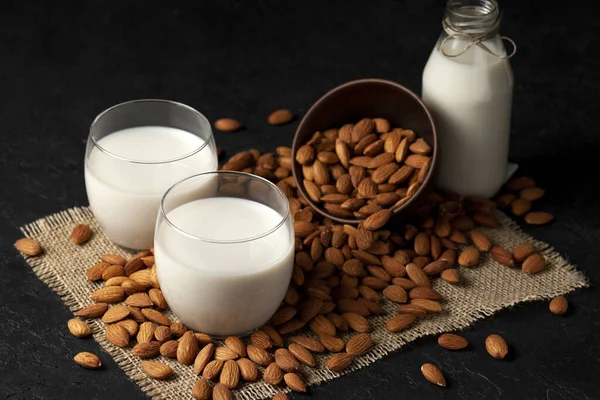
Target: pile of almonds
[
  {"x": 342, "y": 274},
  {"x": 360, "y": 169}
]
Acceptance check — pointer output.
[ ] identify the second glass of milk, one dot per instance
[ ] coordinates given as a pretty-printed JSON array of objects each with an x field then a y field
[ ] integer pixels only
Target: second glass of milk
[
  {"x": 224, "y": 251},
  {"x": 135, "y": 152}
]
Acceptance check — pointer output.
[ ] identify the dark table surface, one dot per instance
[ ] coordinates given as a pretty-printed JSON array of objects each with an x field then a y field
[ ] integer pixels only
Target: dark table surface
[{"x": 61, "y": 63}]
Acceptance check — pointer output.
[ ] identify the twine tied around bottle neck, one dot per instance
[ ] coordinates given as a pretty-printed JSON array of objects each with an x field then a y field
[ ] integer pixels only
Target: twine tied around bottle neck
[{"x": 475, "y": 40}]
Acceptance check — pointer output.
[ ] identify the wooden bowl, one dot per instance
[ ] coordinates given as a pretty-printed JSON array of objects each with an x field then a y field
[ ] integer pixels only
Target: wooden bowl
[{"x": 370, "y": 98}]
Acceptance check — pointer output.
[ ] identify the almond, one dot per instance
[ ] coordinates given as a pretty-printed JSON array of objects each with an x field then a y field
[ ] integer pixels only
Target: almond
[
  {"x": 538, "y": 218},
  {"x": 273, "y": 374},
  {"x": 421, "y": 244},
  {"x": 157, "y": 298},
  {"x": 395, "y": 293},
  {"x": 400, "y": 322},
  {"x": 364, "y": 238},
  {"x": 442, "y": 228},
  {"x": 383, "y": 173},
  {"x": 94, "y": 273},
  {"x": 469, "y": 257},
  {"x": 310, "y": 343},
  {"x": 227, "y": 125},
  {"x": 496, "y": 346},
  {"x": 533, "y": 264},
  {"x": 402, "y": 151},
  {"x": 117, "y": 335},
  {"x": 502, "y": 256},
  {"x": 332, "y": 343},
  {"x": 187, "y": 349},
  {"x": 113, "y": 259},
  {"x": 284, "y": 315},
  {"x": 427, "y": 304},
  {"x": 424, "y": 292},
  {"x": 81, "y": 234},
  {"x": 146, "y": 350},
  {"x": 286, "y": 360},
  {"x": 201, "y": 390},
  {"x": 309, "y": 309},
  {"x": 532, "y": 193},
  {"x": 522, "y": 251},
  {"x": 436, "y": 267},
  {"x": 433, "y": 374},
  {"x": 353, "y": 306},
  {"x": 320, "y": 173},
  {"x": 416, "y": 161},
  {"x": 377, "y": 220},
  {"x": 230, "y": 374},
  {"x": 487, "y": 220},
  {"x": 116, "y": 281},
  {"x": 131, "y": 286},
  {"x": 359, "y": 344},
  {"x": 411, "y": 309},
  {"x": 356, "y": 322},
  {"x": 503, "y": 200},
  {"x": 115, "y": 313},
  {"x": 291, "y": 326},
  {"x": 366, "y": 257},
  {"x": 156, "y": 316},
  {"x": 156, "y": 370},
  {"x": 417, "y": 275},
  {"x": 93, "y": 311},
  {"x": 559, "y": 305},
  {"x": 110, "y": 294},
  {"x": 134, "y": 265},
  {"x": 163, "y": 333},
  {"x": 406, "y": 284},
  {"x": 258, "y": 355},
  {"x": 202, "y": 338},
  {"x": 520, "y": 206},
  {"x": 519, "y": 183},
  {"x": 381, "y": 126},
  {"x": 146, "y": 332},
  {"x": 248, "y": 370},
  {"x": 236, "y": 345},
  {"x": 361, "y": 129},
  {"x": 79, "y": 328},
  {"x": 313, "y": 191},
  {"x": 203, "y": 358},
  {"x": 87, "y": 360},
  {"x": 28, "y": 246},
  {"x": 225, "y": 353},
  {"x": 451, "y": 276},
  {"x": 213, "y": 369},
  {"x": 320, "y": 325},
  {"x": 280, "y": 117},
  {"x": 339, "y": 362},
  {"x": 139, "y": 300},
  {"x": 302, "y": 354},
  {"x": 294, "y": 382},
  {"x": 451, "y": 341},
  {"x": 480, "y": 240},
  {"x": 222, "y": 392},
  {"x": 142, "y": 277},
  {"x": 169, "y": 348}
]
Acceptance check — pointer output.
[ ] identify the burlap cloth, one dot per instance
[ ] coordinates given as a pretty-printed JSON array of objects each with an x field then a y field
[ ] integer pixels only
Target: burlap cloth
[{"x": 487, "y": 289}]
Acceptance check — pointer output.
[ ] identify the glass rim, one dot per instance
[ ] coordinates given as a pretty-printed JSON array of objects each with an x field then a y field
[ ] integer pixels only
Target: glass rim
[
  {"x": 282, "y": 196},
  {"x": 203, "y": 120}
]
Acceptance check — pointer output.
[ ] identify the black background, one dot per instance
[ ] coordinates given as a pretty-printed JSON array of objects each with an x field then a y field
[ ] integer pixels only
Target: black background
[{"x": 61, "y": 63}]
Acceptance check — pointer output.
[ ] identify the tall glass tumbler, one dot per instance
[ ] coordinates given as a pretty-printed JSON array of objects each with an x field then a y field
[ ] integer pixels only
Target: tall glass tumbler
[
  {"x": 224, "y": 251},
  {"x": 135, "y": 152}
]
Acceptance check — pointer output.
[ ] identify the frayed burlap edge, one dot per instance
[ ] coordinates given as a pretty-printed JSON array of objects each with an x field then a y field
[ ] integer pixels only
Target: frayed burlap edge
[{"x": 563, "y": 279}]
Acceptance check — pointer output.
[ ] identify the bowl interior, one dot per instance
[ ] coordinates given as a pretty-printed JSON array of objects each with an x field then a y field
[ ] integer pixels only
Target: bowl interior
[{"x": 367, "y": 98}]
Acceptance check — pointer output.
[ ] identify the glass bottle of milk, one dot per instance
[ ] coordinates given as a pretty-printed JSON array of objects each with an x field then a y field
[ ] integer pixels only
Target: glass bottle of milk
[{"x": 468, "y": 87}]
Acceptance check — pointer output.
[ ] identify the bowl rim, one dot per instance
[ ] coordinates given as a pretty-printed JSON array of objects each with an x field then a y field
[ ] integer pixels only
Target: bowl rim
[{"x": 295, "y": 144}]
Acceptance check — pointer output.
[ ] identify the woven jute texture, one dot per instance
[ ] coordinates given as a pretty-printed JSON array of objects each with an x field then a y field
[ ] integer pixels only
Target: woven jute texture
[{"x": 488, "y": 288}]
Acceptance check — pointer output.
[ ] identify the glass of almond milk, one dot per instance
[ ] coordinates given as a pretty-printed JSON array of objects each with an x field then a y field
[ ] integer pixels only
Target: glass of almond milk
[
  {"x": 224, "y": 251},
  {"x": 135, "y": 152}
]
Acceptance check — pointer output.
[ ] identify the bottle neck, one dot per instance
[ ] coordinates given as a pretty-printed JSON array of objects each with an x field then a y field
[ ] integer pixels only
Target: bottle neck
[{"x": 475, "y": 18}]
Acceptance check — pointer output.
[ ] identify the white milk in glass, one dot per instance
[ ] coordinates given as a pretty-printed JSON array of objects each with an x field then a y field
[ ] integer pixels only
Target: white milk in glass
[
  {"x": 224, "y": 288},
  {"x": 470, "y": 98},
  {"x": 124, "y": 195}
]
